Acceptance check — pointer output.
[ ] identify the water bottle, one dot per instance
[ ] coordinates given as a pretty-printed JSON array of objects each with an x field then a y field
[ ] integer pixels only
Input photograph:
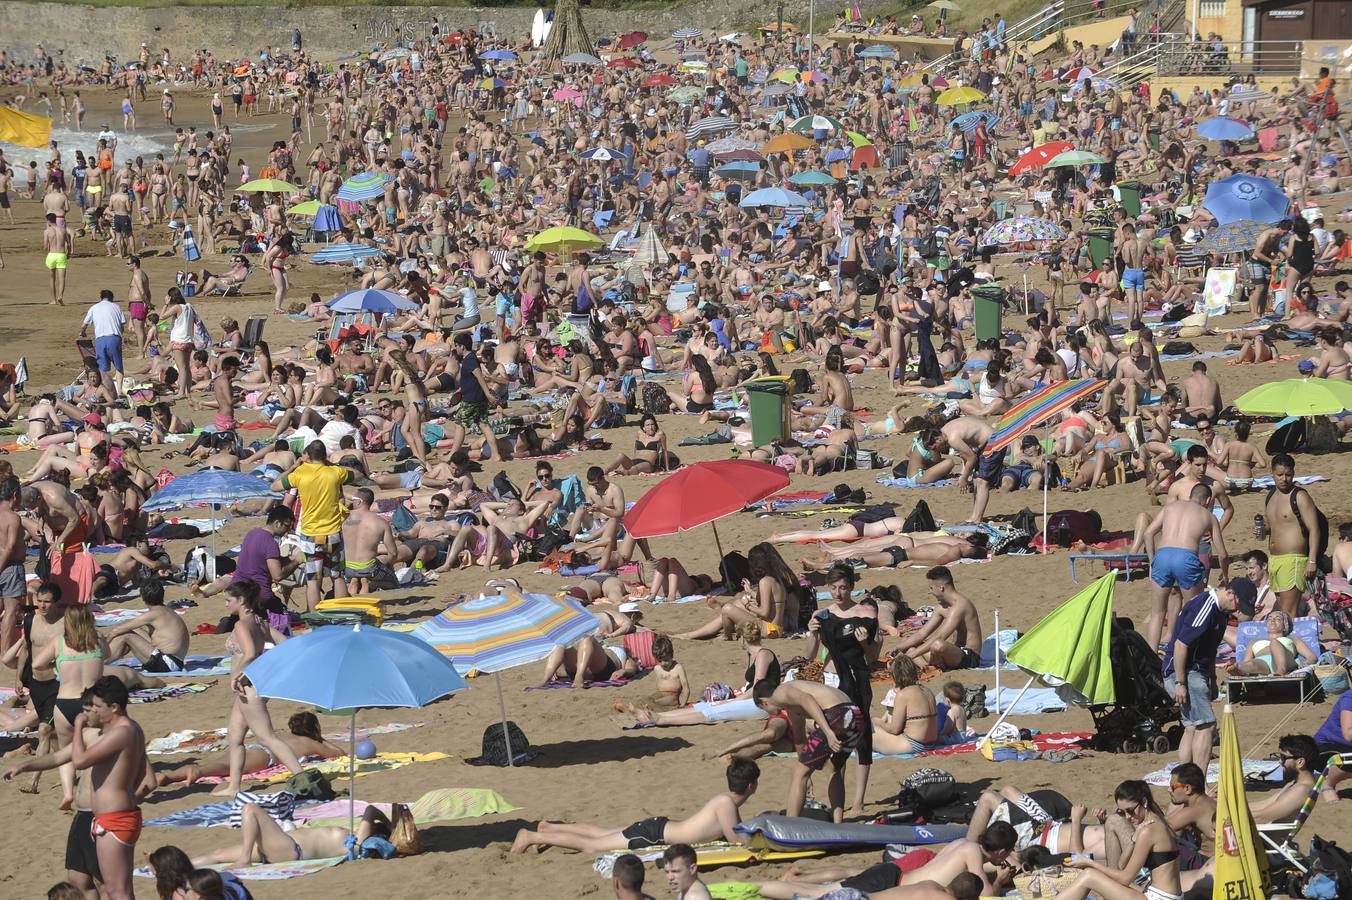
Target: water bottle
[{"x": 1260, "y": 531}]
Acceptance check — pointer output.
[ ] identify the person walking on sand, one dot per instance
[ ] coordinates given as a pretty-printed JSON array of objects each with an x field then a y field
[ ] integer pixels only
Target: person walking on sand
[
  {"x": 248, "y": 710},
  {"x": 13, "y": 552},
  {"x": 1189, "y": 668},
  {"x": 1180, "y": 528},
  {"x": 108, "y": 322},
  {"x": 57, "y": 244}
]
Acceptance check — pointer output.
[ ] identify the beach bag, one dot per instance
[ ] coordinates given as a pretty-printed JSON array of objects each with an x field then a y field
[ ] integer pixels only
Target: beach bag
[
  {"x": 927, "y": 788},
  {"x": 1320, "y": 436},
  {"x": 1070, "y": 526},
  {"x": 656, "y": 400},
  {"x": 494, "y": 751},
  {"x": 920, "y": 519},
  {"x": 404, "y": 831},
  {"x": 310, "y": 784},
  {"x": 503, "y": 489},
  {"x": 1327, "y": 863},
  {"x": 867, "y": 284}
]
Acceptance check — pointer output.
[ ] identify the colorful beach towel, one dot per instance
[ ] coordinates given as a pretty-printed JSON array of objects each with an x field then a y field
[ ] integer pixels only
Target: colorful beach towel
[
  {"x": 168, "y": 692},
  {"x": 1052, "y": 740},
  {"x": 192, "y": 741},
  {"x": 194, "y": 666},
  {"x": 908, "y": 483},
  {"x": 269, "y": 871},
  {"x": 336, "y": 768}
]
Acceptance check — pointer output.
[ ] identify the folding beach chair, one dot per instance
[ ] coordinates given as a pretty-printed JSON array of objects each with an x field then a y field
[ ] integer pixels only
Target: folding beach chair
[
  {"x": 252, "y": 333},
  {"x": 1307, "y": 629}
]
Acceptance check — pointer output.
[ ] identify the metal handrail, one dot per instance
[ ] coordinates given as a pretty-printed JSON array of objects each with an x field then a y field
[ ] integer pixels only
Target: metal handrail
[{"x": 1187, "y": 57}]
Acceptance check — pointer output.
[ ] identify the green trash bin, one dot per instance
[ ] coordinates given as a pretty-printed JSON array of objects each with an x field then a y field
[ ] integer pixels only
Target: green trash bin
[
  {"x": 1153, "y": 135},
  {"x": 770, "y": 409},
  {"x": 1130, "y": 193},
  {"x": 987, "y": 309},
  {"x": 1100, "y": 245}
]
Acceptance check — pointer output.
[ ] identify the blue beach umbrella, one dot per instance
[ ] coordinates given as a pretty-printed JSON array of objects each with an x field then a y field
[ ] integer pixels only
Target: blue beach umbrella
[
  {"x": 775, "y": 196},
  {"x": 373, "y": 301},
  {"x": 745, "y": 171},
  {"x": 1246, "y": 197},
  {"x": 212, "y": 488},
  {"x": 803, "y": 179},
  {"x": 499, "y": 55},
  {"x": 602, "y": 154},
  {"x": 1224, "y": 128},
  {"x": 336, "y": 667},
  {"x": 877, "y": 51}
]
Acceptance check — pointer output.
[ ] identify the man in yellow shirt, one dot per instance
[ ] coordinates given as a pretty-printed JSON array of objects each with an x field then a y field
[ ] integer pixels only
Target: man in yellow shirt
[{"x": 320, "y": 486}]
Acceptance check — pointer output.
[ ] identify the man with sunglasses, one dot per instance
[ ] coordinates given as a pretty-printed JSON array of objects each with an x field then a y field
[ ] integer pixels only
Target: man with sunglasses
[
  {"x": 1192, "y": 815},
  {"x": 1301, "y": 762},
  {"x": 424, "y": 544}
]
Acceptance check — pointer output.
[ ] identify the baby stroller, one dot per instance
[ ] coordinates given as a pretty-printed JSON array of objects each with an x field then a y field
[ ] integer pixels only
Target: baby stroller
[{"x": 1135, "y": 722}]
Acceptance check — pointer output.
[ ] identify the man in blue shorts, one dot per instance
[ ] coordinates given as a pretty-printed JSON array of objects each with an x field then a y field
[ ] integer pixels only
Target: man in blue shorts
[
  {"x": 1177, "y": 534},
  {"x": 1189, "y": 668},
  {"x": 108, "y": 321}
]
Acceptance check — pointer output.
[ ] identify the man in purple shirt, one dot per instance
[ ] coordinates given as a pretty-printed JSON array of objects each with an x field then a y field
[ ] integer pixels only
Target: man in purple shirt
[{"x": 260, "y": 563}]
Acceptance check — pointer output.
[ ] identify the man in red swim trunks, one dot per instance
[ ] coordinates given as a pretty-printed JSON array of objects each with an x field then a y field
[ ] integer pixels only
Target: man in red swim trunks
[
  {"x": 117, "y": 767},
  {"x": 840, "y": 725}
]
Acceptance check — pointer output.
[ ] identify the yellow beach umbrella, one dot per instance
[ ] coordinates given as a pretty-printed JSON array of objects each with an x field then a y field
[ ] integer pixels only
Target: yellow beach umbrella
[
  {"x": 957, "y": 95},
  {"x": 1297, "y": 397},
  {"x": 269, "y": 186},
  {"x": 788, "y": 76},
  {"x": 858, "y": 140},
  {"x": 1241, "y": 864},
  {"x": 786, "y": 143},
  {"x": 563, "y": 239}
]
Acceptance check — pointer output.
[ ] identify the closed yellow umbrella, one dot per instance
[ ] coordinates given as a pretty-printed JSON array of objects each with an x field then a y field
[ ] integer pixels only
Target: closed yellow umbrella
[
  {"x": 958, "y": 95},
  {"x": 786, "y": 143},
  {"x": 1241, "y": 863}
]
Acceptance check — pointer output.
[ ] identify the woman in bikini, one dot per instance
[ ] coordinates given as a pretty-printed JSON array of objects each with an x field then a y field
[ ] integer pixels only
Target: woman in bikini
[
  {"x": 303, "y": 737},
  {"x": 1333, "y": 361},
  {"x": 248, "y": 710},
  {"x": 275, "y": 261},
  {"x": 77, "y": 657},
  {"x": 1151, "y": 845},
  {"x": 650, "y": 451},
  {"x": 768, "y": 596},
  {"x": 912, "y": 725}
]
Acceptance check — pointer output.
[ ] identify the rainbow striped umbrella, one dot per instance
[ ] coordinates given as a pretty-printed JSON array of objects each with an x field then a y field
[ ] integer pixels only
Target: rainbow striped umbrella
[
  {"x": 1038, "y": 407},
  {"x": 503, "y": 631}
]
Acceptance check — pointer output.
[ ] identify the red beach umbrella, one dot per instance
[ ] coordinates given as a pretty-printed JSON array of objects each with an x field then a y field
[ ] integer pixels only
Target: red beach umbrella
[
  {"x": 701, "y": 493},
  {"x": 1039, "y": 156}
]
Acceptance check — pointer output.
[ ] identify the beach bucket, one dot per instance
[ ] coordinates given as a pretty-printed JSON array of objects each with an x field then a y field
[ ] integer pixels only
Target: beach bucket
[{"x": 1333, "y": 679}]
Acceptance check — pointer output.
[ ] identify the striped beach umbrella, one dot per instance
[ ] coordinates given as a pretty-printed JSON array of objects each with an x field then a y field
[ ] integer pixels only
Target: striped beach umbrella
[
  {"x": 811, "y": 124},
  {"x": 650, "y": 251},
  {"x": 970, "y": 121},
  {"x": 710, "y": 125},
  {"x": 339, "y": 253},
  {"x": 729, "y": 144},
  {"x": 495, "y": 632},
  {"x": 687, "y": 34},
  {"x": 1038, "y": 407},
  {"x": 601, "y": 154},
  {"x": 366, "y": 186}
]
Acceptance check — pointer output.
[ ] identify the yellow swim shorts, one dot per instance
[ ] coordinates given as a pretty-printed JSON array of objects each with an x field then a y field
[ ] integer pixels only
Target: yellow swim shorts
[
  {"x": 56, "y": 260},
  {"x": 1287, "y": 571}
]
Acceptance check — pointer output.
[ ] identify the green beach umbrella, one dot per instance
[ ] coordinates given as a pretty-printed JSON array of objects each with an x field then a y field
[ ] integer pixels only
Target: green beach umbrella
[
  {"x": 1297, "y": 397},
  {"x": 1069, "y": 649},
  {"x": 1075, "y": 158},
  {"x": 308, "y": 208},
  {"x": 269, "y": 186}
]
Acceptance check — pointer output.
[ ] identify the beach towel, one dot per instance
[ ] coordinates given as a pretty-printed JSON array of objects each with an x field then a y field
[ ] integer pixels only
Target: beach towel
[
  {"x": 439, "y": 805},
  {"x": 689, "y": 598},
  {"x": 269, "y": 871},
  {"x": 1261, "y": 769},
  {"x": 168, "y": 692},
  {"x": 1265, "y": 481},
  {"x": 1006, "y": 637},
  {"x": 194, "y": 666},
  {"x": 208, "y": 815},
  {"x": 206, "y": 741},
  {"x": 707, "y": 856},
  {"x": 906, "y": 483},
  {"x": 336, "y": 768},
  {"x": 567, "y": 683},
  {"x": 1035, "y": 700}
]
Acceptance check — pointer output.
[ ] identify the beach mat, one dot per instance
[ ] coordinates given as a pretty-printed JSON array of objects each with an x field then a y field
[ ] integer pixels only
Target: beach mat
[
  {"x": 438, "y": 805},
  {"x": 336, "y": 768},
  {"x": 707, "y": 856},
  {"x": 268, "y": 871},
  {"x": 1258, "y": 769},
  {"x": 192, "y": 741},
  {"x": 773, "y": 832},
  {"x": 168, "y": 692},
  {"x": 196, "y": 666}
]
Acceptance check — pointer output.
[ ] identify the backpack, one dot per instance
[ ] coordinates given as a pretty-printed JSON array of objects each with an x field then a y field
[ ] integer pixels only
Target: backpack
[
  {"x": 503, "y": 489},
  {"x": 495, "y": 746},
  {"x": 656, "y": 400},
  {"x": 1320, "y": 541},
  {"x": 310, "y": 784},
  {"x": 920, "y": 519},
  {"x": 927, "y": 788},
  {"x": 867, "y": 284},
  {"x": 1329, "y": 865}
]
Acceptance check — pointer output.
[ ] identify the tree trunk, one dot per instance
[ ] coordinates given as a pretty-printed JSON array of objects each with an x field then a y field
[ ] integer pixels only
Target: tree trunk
[{"x": 568, "y": 34}]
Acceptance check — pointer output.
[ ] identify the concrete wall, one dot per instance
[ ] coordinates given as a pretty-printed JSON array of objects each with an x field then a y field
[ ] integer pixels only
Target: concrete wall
[{"x": 86, "y": 33}]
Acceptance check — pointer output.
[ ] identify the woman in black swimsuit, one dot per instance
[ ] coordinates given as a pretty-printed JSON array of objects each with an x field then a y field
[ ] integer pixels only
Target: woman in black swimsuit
[
  {"x": 650, "y": 451},
  {"x": 1151, "y": 845},
  {"x": 1300, "y": 255}
]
